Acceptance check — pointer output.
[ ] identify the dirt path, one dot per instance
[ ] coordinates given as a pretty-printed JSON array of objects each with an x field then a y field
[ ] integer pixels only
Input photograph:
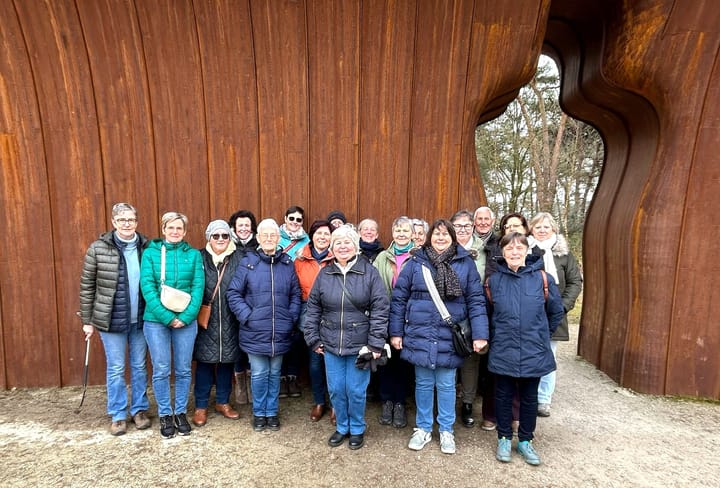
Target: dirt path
[{"x": 598, "y": 435}]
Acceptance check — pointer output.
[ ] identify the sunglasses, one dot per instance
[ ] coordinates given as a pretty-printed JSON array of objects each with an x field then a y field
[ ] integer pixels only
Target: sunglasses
[
  {"x": 292, "y": 218},
  {"x": 217, "y": 237}
]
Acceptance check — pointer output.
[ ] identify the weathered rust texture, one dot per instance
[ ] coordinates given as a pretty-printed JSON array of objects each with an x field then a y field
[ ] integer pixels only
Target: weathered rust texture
[{"x": 207, "y": 106}]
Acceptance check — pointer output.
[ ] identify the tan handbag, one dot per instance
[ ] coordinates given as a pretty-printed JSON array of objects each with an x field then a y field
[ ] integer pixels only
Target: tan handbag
[
  {"x": 203, "y": 317},
  {"x": 171, "y": 298}
]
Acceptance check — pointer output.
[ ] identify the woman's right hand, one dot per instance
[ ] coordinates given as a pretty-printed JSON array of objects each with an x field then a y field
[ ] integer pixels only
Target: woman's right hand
[
  {"x": 396, "y": 342},
  {"x": 88, "y": 330},
  {"x": 320, "y": 349},
  {"x": 177, "y": 324}
]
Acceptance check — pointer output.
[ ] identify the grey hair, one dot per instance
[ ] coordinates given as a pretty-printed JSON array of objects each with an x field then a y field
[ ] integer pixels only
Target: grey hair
[
  {"x": 402, "y": 221},
  {"x": 462, "y": 213},
  {"x": 539, "y": 217},
  {"x": 268, "y": 224},
  {"x": 168, "y": 217},
  {"x": 346, "y": 231},
  {"x": 422, "y": 223},
  {"x": 479, "y": 209},
  {"x": 119, "y": 208}
]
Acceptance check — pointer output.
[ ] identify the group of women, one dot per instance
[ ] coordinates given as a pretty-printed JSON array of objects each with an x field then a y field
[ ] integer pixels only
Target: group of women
[{"x": 350, "y": 298}]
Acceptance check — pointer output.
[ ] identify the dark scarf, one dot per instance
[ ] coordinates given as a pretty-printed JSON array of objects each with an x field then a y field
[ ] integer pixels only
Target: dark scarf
[
  {"x": 446, "y": 279},
  {"x": 319, "y": 256},
  {"x": 373, "y": 247}
]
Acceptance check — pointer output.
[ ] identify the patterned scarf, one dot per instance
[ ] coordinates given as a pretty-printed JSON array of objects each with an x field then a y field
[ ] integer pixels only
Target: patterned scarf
[{"x": 446, "y": 279}]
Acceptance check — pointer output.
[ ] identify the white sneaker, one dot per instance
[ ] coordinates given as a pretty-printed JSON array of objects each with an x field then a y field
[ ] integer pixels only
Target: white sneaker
[
  {"x": 447, "y": 442},
  {"x": 419, "y": 439}
]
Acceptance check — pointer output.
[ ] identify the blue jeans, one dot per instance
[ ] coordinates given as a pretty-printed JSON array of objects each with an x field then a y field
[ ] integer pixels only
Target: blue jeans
[
  {"x": 168, "y": 345},
  {"x": 426, "y": 382},
  {"x": 546, "y": 388},
  {"x": 115, "y": 345},
  {"x": 348, "y": 386},
  {"x": 505, "y": 388},
  {"x": 206, "y": 374},
  {"x": 265, "y": 382}
]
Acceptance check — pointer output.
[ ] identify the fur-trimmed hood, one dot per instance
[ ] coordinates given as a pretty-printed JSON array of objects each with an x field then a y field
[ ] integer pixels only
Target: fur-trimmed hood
[{"x": 561, "y": 247}]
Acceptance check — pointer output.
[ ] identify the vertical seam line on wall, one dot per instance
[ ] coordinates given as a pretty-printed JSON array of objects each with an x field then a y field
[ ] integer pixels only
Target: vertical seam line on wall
[
  {"x": 210, "y": 191},
  {"x": 150, "y": 103},
  {"x": 47, "y": 178},
  {"x": 259, "y": 203},
  {"x": 410, "y": 112},
  {"x": 100, "y": 148}
]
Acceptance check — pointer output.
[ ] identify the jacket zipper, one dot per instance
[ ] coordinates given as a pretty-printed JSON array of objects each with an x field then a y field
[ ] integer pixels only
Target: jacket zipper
[
  {"x": 218, "y": 299},
  {"x": 272, "y": 294},
  {"x": 342, "y": 318}
]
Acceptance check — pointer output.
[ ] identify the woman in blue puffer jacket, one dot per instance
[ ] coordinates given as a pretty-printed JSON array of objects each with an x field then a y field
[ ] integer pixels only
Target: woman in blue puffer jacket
[
  {"x": 264, "y": 295},
  {"x": 424, "y": 338},
  {"x": 525, "y": 309}
]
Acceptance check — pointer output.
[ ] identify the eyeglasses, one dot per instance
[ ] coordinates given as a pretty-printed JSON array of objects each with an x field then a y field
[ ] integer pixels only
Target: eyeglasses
[
  {"x": 513, "y": 226},
  {"x": 463, "y": 227},
  {"x": 126, "y": 221},
  {"x": 265, "y": 237},
  {"x": 292, "y": 218},
  {"x": 217, "y": 237}
]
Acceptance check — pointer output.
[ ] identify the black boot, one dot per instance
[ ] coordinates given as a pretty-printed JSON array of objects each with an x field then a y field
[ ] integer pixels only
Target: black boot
[{"x": 466, "y": 415}]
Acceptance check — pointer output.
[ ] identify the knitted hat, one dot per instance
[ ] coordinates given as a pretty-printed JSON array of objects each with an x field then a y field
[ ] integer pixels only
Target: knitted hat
[
  {"x": 217, "y": 226},
  {"x": 336, "y": 214}
]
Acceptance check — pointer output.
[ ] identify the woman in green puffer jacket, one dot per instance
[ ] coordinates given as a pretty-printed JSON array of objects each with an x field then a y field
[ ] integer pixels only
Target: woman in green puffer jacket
[{"x": 171, "y": 335}]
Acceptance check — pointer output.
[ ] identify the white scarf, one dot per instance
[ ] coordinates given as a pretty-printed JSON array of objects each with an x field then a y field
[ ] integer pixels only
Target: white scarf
[
  {"x": 219, "y": 258},
  {"x": 547, "y": 246}
]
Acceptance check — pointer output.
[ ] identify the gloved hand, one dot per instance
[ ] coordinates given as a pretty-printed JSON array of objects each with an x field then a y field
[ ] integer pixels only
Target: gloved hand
[{"x": 366, "y": 359}]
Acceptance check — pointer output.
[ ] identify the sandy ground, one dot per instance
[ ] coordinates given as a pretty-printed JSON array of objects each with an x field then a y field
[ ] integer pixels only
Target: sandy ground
[{"x": 598, "y": 435}]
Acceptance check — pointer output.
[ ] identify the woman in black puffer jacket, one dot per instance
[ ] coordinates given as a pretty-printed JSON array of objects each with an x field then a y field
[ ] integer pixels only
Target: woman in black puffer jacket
[
  {"x": 347, "y": 311},
  {"x": 217, "y": 347}
]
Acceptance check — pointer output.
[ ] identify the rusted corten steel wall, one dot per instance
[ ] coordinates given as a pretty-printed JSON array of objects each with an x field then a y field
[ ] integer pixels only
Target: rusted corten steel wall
[
  {"x": 368, "y": 106},
  {"x": 646, "y": 74}
]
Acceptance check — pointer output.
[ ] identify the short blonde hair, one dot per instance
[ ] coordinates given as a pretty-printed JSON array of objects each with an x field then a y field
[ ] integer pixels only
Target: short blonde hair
[{"x": 168, "y": 217}]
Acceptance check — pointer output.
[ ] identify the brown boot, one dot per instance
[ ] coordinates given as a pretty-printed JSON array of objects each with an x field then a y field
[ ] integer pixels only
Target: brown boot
[
  {"x": 241, "y": 390},
  {"x": 200, "y": 417},
  {"x": 227, "y": 411}
]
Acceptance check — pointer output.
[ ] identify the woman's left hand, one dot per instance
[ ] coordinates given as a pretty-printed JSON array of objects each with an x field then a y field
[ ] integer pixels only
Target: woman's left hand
[
  {"x": 376, "y": 355},
  {"x": 480, "y": 345}
]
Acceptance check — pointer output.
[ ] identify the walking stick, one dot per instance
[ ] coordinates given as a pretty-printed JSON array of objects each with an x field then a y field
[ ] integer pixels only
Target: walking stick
[{"x": 85, "y": 370}]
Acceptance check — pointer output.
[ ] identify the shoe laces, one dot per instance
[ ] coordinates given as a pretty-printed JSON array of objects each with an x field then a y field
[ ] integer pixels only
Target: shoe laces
[{"x": 527, "y": 446}]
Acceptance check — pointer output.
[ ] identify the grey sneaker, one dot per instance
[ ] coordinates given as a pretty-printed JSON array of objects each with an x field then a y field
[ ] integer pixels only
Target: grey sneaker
[
  {"x": 447, "y": 442},
  {"x": 504, "y": 450},
  {"x": 386, "y": 417},
  {"x": 543, "y": 410},
  {"x": 528, "y": 452},
  {"x": 419, "y": 439}
]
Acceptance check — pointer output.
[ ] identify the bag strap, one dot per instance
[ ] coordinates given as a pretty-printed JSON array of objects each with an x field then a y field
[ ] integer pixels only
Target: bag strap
[
  {"x": 350, "y": 297},
  {"x": 162, "y": 265},
  {"x": 217, "y": 287},
  {"x": 291, "y": 245},
  {"x": 545, "y": 285},
  {"x": 427, "y": 275},
  {"x": 488, "y": 293}
]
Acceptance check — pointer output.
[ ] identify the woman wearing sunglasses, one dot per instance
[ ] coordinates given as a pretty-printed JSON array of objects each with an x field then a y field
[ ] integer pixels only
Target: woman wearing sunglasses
[
  {"x": 292, "y": 241},
  {"x": 292, "y": 235},
  {"x": 217, "y": 348}
]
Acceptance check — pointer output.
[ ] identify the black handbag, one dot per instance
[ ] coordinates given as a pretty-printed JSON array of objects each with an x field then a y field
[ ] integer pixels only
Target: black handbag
[
  {"x": 462, "y": 338},
  {"x": 461, "y": 332}
]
